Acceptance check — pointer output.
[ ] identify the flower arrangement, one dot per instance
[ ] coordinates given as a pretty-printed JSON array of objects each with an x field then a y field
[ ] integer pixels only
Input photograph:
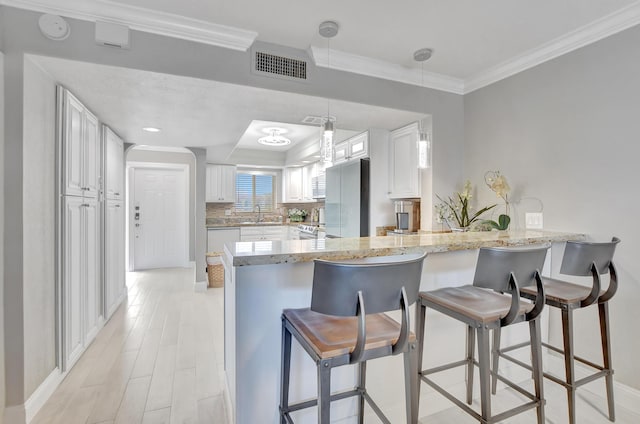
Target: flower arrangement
[
  {"x": 297, "y": 215},
  {"x": 458, "y": 209},
  {"x": 498, "y": 184}
]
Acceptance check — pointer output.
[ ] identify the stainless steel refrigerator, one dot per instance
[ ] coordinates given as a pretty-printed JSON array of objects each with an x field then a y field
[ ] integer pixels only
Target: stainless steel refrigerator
[{"x": 347, "y": 199}]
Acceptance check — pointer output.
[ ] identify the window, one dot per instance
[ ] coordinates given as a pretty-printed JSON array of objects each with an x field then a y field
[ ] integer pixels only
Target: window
[{"x": 255, "y": 189}]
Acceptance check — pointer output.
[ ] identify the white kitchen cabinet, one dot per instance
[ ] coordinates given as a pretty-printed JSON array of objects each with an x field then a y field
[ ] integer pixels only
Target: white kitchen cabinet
[
  {"x": 264, "y": 232},
  {"x": 292, "y": 188},
  {"x": 298, "y": 183},
  {"x": 114, "y": 164},
  {"x": 404, "y": 175},
  {"x": 221, "y": 184},
  {"x": 114, "y": 273},
  {"x": 81, "y": 149},
  {"x": 218, "y": 237},
  {"x": 355, "y": 147},
  {"x": 81, "y": 289}
]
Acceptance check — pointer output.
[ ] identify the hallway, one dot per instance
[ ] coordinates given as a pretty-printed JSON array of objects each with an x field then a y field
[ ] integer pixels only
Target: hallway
[{"x": 159, "y": 359}]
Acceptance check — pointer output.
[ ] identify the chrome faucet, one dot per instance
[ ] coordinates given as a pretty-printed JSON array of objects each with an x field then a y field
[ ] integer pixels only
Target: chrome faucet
[{"x": 259, "y": 218}]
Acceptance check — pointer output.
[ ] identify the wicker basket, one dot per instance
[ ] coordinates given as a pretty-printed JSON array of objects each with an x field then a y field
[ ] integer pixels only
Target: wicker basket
[
  {"x": 215, "y": 269},
  {"x": 216, "y": 275}
]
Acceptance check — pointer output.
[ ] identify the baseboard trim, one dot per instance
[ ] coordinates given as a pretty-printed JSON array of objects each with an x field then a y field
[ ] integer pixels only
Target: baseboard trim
[
  {"x": 200, "y": 286},
  {"x": 42, "y": 394}
]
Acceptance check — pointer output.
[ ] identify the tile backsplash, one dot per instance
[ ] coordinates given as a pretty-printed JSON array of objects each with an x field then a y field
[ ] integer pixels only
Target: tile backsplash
[{"x": 217, "y": 213}]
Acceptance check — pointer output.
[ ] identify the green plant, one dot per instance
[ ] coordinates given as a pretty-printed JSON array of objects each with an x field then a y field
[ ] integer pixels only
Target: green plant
[{"x": 458, "y": 208}]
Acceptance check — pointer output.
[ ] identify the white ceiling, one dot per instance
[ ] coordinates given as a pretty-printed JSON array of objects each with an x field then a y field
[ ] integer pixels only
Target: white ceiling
[
  {"x": 202, "y": 113},
  {"x": 475, "y": 43}
]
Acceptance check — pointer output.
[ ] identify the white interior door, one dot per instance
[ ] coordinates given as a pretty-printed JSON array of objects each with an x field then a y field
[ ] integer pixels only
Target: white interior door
[{"x": 158, "y": 217}]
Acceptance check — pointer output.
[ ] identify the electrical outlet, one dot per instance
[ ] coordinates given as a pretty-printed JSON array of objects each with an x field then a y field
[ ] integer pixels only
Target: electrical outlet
[
  {"x": 533, "y": 220},
  {"x": 227, "y": 212}
]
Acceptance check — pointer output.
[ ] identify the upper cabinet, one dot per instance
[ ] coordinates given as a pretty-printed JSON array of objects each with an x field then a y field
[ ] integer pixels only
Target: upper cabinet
[
  {"x": 292, "y": 185},
  {"x": 352, "y": 148},
  {"x": 81, "y": 149},
  {"x": 404, "y": 175},
  {"x": 298, "y": 183},
  {"x": 114, "y": 164},
  {"x": 221, "y": 183}
]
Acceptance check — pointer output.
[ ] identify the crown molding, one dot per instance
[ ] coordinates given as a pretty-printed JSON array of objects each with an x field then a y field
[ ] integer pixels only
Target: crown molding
[
  {"x": 386, "y": 70},
  {"x": 145, "y": 20},
  {"x": 604, "y": 27}
]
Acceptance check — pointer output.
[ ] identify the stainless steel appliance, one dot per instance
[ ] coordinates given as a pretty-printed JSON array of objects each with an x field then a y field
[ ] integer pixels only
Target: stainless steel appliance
[
  {"x": 347, "y": 199},
  {"x": 307, "y": 231},
  {"x": 407, "y": 216}
]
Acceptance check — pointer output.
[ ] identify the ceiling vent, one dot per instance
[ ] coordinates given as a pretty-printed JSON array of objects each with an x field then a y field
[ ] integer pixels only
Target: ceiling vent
[
  {"x": 280, "y": 66},
  {"x": 317, "y": 120}
]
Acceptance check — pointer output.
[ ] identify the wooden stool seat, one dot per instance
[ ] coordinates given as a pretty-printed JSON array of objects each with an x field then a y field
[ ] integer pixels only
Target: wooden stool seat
[
  {"x": 559, "y": 291},
  {"x": 332, "y": 336},
  {"x": 476, "y": 303}
]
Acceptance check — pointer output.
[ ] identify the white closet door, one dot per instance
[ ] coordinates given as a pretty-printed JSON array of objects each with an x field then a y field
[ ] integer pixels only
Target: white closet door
[
  {"x": 93, "y": 299},
  {"x": 114, "y": 256},
  {"x": 73, "y": 140},
  {"x": 74, "y": 274},
  {"x": 92, "y": 156}
]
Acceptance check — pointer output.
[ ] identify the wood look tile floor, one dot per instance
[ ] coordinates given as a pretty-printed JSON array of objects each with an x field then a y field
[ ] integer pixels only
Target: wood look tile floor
[{"x": 159, "y": 359}]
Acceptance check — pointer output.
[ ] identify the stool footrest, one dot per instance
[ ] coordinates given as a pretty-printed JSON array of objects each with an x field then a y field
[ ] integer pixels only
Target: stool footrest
[
  {"x": 533, "y": 403},
  {"x": 284, "y": 412}
]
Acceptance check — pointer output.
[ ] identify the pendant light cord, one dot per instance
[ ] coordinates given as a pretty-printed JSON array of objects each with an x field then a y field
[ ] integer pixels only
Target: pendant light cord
[{"x": 328, "y": 67}]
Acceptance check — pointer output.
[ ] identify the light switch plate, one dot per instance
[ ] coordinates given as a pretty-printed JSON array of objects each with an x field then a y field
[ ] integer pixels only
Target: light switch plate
[
  {"x": 227, "y": 212},
  {"x": 533, "y": 220}
]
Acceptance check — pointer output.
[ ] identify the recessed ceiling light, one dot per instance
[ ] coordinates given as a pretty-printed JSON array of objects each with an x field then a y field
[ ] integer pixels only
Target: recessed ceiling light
[
  {"x": 306, "y": 161},
  {"x": 274, "y": 138},
  {"x": 151, "y": 129}
]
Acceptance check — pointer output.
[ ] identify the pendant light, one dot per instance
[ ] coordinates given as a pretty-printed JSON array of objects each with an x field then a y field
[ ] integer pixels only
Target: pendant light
[
  {"x": 424, "y": 138},
  {"x": 328, "y": 30}
]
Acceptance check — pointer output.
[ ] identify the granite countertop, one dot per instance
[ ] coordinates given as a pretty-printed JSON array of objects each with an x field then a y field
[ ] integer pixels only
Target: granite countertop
[{"x": 290, "y": 251}]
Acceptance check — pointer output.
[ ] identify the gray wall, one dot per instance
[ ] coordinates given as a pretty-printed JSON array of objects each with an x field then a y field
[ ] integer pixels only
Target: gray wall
[
  {"x": 162, "y": 54},
  {"x": 39, "y": 225},
  {"x": 2, "y": 380},
  {"x": 566, "y": 132},
  {"x": 137, "y": 155}
]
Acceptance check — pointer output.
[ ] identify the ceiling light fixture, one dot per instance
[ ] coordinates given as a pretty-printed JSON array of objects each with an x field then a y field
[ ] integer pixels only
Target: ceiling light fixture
[
  {"x": 424, "y": 138},
  {"x": 151, "y": 129},
  {"x": 328, "y": 30},
  {"x": 274, "y": 138}
]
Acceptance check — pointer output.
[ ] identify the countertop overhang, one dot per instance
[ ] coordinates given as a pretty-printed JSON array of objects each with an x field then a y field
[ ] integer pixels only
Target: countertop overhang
[{"x": 292, "y": 251}]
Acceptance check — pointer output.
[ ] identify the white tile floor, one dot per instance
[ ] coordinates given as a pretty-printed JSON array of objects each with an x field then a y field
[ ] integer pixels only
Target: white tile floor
[{"x": 160, "y": 360}]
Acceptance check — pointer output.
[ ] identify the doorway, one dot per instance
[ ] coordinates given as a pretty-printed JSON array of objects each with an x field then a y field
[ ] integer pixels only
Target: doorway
[{"x": 158, "y": 212}]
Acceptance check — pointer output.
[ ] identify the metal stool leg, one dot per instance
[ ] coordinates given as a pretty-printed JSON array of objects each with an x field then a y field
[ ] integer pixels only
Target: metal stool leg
[
  {"x": 420, "y": 324},
  {"x": 285, "y": 369},
  {"x": 411, "y": 382},
  {"x": 536, "y": 364},
  {"x": 484, "y": 354},
  {"x": 603, "y": 309},
  {"x": 567, "y": 335},
  {"x": 471, "y": 345},
  {"x": 495, "y": 352},
  {"x": 324, "y": 392},
  {"x": 362, "y": 377}
]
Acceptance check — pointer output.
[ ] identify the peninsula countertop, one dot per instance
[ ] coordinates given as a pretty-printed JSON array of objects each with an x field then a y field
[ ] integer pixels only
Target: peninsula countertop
[{"x": 291, "y": 251}]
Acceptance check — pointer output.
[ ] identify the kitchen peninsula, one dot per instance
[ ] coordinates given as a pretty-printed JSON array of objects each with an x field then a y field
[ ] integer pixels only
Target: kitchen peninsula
[{"x": 262, "y": 278}]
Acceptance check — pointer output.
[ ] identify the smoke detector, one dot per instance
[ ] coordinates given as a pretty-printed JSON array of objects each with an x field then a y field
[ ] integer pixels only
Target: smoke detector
[{"x": 54, "y": 27}]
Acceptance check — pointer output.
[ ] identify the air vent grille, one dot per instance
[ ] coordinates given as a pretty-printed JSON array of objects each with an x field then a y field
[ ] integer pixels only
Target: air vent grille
[
  {"x": 317, "y": 120},
  {"x": 280, "y": 65}
]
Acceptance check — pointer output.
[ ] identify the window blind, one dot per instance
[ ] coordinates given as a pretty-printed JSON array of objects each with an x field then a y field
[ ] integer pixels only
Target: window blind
[{"x": 254, "y": 190}]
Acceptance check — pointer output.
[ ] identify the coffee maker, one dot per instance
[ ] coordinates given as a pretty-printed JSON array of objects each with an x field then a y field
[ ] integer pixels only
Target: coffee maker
[{"x": 407, "y": 216}]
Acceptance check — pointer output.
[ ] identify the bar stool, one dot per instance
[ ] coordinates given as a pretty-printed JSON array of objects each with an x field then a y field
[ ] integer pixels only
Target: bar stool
[
  {"x": 346, "y": 324},
  {"x": 483, "y": 306},
  {"x": 580, "y": 259}
]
